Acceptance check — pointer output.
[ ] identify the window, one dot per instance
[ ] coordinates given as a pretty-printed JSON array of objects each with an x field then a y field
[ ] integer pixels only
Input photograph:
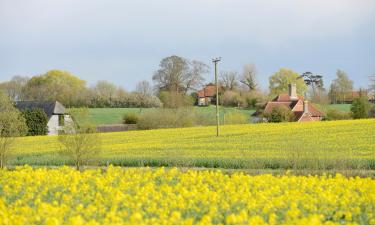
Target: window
[{"x": 61, "y": 120}]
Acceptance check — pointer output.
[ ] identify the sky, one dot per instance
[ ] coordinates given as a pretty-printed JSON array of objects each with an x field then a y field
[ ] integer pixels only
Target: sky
[{"x": 123, "y": 41}]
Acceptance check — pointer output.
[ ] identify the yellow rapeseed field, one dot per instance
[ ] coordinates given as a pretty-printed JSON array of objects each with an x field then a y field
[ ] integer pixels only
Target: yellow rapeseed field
[
  {"x": 320, "y": 145},
  {"x": 170, "y": 196}
]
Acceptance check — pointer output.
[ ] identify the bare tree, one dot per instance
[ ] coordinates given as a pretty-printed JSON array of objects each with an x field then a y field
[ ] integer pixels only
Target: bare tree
[
  {"x": 177, "y": 74},
  {"x": 80, "y": 143},
  {"x": 15, "y": 88},
  {"x": 194, "y": 78},
  {"x": 229, "y": 80},
  {"x": 144, "y": 88},
  {"x": 248, "y": 77}
]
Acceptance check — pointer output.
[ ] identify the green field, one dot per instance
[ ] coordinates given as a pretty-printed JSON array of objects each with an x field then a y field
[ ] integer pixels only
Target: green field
[
  {"x": 318, "y": 145},
  {"x": 114, "y": 115},
  {"x": 341, "y": 107}
]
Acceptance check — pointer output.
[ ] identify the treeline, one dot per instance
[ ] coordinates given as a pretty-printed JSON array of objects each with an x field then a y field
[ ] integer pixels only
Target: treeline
[
  {"x": 62, "y": 86},
  {"x": 175, "y": 84}
]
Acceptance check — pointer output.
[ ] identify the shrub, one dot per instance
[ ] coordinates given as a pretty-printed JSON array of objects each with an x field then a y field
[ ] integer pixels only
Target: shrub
[
  {"x": 131, "y": 118},
  {"x": 360, "y": 107},
  {"x": 36, "y": 121},
  {"x": 175, "y": 100},
  {"x": 167, "y": 118},
  {"x": 236, "y": 118},
  {"x": 334, "y": 114},
  {"x": 279, "y": 114}
]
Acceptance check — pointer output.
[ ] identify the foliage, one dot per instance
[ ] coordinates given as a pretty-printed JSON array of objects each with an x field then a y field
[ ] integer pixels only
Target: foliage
[
  {"x": 231, "y": 98},
  {"x": 80, "y": 142},
  {"x": 360, "y": 107},
  {"x": 56, "y": 85},
  {"x": 170, "y": 196},
  {"x": 331, "y": 145},
  {"x": 167, "y": 118},
  {"x": 12, "y": 125},
  {"x": 236, "y": 118},
  {"x": 15, "y": 88},
  {"x": 371, "y": 112},
  {"x": 280, "y": 114},
  {"x": 341, "y": 88},
  {"x": 279, "y": 81},
  {"x": 36, "y": 121},
  {"x": 175, "y": 100},
  {"x": 335, "y": 114},
  {"x": 131, "y": 118}
]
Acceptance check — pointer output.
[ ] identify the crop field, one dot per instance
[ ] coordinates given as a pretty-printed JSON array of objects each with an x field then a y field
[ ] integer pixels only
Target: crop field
[
  {"x": 170, "y": 196},
  {"x": 114, "y": 115},
  {"x": 319, "y": 146}
]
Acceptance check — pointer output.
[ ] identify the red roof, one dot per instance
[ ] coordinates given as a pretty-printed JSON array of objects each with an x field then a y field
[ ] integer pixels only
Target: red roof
[
  {"x": 296, "y": 107},
  {"x": 207, "y": 91}
]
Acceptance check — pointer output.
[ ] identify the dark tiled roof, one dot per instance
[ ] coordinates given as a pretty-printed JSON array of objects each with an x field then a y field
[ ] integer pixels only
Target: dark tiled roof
[{"x": 50, "y": 108}]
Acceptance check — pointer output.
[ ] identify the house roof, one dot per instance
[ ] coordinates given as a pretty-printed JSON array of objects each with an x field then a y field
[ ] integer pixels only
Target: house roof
[
  {"x": 207, "y": 91},
  {"x": 285, "y": 98},
  {"x": 50, "y": 108}
]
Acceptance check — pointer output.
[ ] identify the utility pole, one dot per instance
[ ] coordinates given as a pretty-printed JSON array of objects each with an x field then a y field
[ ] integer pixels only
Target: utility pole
[{"x": 215, "y": 61}]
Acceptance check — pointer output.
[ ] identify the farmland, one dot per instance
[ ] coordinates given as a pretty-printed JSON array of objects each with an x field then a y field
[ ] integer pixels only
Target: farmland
[
  {"x": 321, "y": 146},
  {"x": 170, "y": 196},
  {"x": 100, "y": 116},
  {"x": 115, "y": 115}
]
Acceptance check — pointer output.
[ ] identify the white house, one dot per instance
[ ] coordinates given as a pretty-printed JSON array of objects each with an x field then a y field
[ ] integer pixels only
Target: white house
[{"x": 55, "y": 111}]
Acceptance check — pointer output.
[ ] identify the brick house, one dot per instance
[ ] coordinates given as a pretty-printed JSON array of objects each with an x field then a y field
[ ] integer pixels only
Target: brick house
[
  {"x": 302, "y": 110},
  {"x": 206, "y": 95}
]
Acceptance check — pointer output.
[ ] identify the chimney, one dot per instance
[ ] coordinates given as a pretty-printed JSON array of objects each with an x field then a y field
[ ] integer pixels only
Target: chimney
[
  {"x": 305, "y": 106},
  {"x": 293, "y": 92}
]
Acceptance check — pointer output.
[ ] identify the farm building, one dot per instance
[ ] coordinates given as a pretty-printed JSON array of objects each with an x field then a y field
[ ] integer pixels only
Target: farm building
[
  {"x": 302, "y": 110},
  {"x": 206, "y": 95},
  {"x": 55, "y": 111}
]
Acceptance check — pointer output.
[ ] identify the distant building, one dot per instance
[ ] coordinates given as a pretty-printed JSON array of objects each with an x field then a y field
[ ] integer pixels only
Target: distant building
[
  {"x": 55, "y": 111},
  {"x": 206, "y": 95},
  {"x": 302, "y": 110}
]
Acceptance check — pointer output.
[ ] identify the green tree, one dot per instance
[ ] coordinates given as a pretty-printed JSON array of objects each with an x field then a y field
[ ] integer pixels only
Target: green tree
[
  {"x": 279, "y": 114},
  {"x": 360, "y": 107},
  {"x": 279, "y": 81},
  {"x": 56, "y": 85},
  {"x": 15, "y": 88},
  {"x": 36, "y": 121},
  {"x": 341, "y": 88},
  {"x": 80, "y": 143},
  {"x": 12, "y": 125}
]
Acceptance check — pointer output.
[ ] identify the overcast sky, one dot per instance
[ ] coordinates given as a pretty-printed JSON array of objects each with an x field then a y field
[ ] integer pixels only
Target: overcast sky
[{"x": 123, "y": 41}]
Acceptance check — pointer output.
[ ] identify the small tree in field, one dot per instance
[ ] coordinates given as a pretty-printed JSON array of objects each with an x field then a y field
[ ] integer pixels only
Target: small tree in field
[
  {"x": 360, "y": 107},
  {"x": 12, "y": 125},
  {"x": 80, "y": 142}
]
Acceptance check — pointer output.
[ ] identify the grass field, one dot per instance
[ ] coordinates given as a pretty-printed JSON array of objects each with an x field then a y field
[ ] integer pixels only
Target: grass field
[
  {"x": 100, "y": 116},
  {"x": 319, "y": 145},
  {"x": 171, "y": 196},
  {"x": 114, "y": 115}
]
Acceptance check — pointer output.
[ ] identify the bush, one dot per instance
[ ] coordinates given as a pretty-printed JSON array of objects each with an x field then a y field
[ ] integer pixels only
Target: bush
[
  {"x": 131, "y": 118},
  {"x": 175, "y": 100},
  {"x": 36, "y": 121},
  {"x": 280, "y": 114},
  {"x": 360, "y": 107},
  {"x": 236, "y": 118},
  {"x": 334, "y": 114},
  {"x": 167, "y": 118}
]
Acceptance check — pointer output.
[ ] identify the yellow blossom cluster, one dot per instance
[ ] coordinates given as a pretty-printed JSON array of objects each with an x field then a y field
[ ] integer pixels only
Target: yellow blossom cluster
[{"x": 171, "y": 196}]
